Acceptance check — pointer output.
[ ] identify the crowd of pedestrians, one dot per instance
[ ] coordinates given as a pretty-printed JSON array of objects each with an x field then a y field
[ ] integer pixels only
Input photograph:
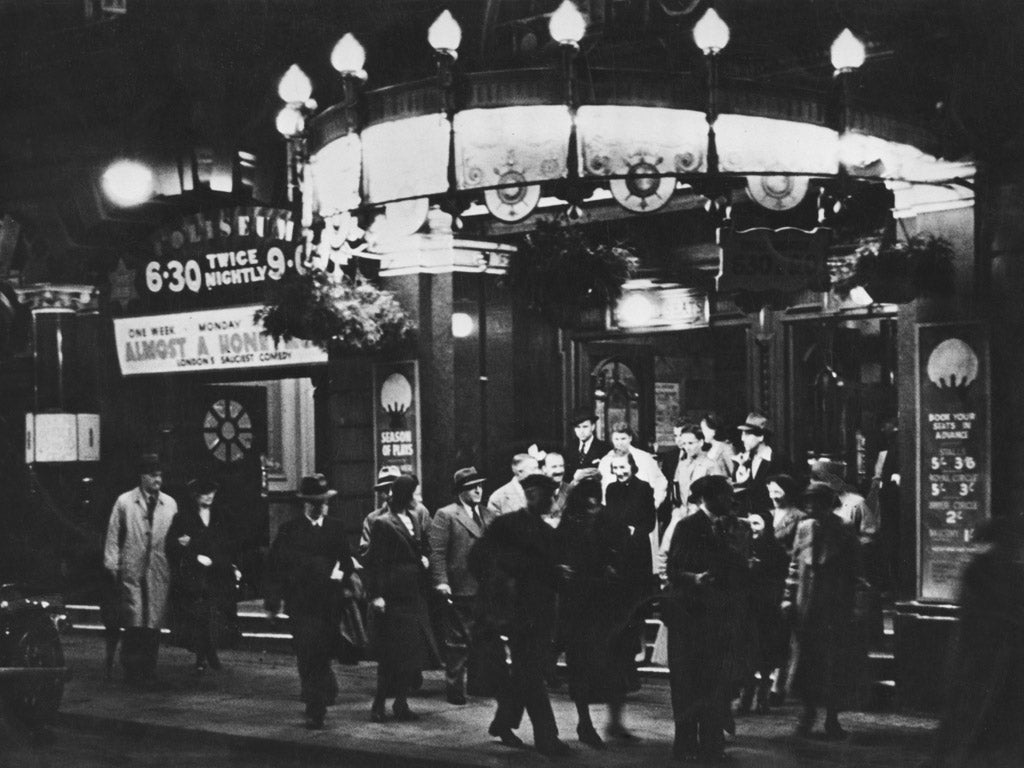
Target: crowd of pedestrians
[{"x": 755, "y": 574}]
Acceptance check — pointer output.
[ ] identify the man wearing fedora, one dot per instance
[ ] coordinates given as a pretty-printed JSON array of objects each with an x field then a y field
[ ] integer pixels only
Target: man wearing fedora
[
  {"x": 453, "y": 532},
  {"x": 309, "y": 559},
  {"x": 587, "y": 449},
  {"x": 755, "y": 465},
  {"x": 516, "y": 562},
  {"x": 385, "y": 479},
  {"x": 135, "y": 556}
]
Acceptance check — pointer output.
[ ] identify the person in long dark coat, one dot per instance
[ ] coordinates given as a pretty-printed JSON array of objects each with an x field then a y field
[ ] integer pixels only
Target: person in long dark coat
[
  {"x": 707, "y": 616},
  {"x": 516, "y": 565},
  {"x": 629, "y": 506},
  {"x": 200, "y": 550},
  {"x": 594, "y": 607},
  {"x": 981, "y": 724},
  {"x": 820, "y": 598},
  {"x": 310, "y": 560},
  {"x": 396, "y": 567},
  {"x": 769, "y": 565}
]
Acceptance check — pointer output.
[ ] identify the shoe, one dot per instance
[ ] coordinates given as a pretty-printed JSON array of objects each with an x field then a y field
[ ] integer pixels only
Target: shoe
[
  {"x": 403, "y": 713},
  {"x": 619, "y": 731},
  {"x": 454, "y": 697},
  {"x": 314, "y": 718},
  {"x": 587, "y": 735},
  {"x": 746, "y": 702},
  {"x": 214, "y": 661},
  {"x": 730, "y": 723},
  {"x": 200, "y": 670},
  {"x": 377, "y": 714},
  {"x": 805, "y": 725},
  {"x": 554, "y": 748},
  {"x": 834, "y": 731},
  {"x": 763, "y": 699},
  {"x": 508, "y": 738},
  {"x": 715, "y": 757}
]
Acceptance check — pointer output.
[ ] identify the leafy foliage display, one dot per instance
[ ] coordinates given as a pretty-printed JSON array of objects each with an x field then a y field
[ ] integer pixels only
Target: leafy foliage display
[
  {"x": 349, "y": 313},
  {"x": 900, "y": 272},
  {"x": 561, "y": 273}
]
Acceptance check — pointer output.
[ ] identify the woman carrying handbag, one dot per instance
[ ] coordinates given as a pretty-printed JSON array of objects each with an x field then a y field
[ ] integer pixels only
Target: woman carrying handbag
[{"x": 203, "y": 581}]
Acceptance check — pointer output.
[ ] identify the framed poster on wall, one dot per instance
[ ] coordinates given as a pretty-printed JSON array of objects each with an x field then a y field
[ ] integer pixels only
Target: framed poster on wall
[
  {"x": 396, "y": 417},
  {"x": 953, "y": 452}
]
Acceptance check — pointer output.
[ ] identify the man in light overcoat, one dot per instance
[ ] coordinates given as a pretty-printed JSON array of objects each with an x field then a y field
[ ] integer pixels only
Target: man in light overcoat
[{"x": 134, "y": 555}]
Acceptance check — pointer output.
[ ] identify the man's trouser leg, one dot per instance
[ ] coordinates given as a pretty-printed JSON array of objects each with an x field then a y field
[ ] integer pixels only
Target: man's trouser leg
[
  {"x": 529, "y": 660},
  {"x": 458, "y": 643},
  {"x": 312, "y": 654}
]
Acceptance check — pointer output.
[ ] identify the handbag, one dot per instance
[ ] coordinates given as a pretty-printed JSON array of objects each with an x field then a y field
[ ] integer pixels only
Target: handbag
[{"x": 352, "y": 627}]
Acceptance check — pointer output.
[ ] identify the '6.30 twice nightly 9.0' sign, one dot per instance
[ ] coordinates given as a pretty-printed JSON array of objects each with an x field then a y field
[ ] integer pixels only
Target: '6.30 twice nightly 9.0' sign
[{"x": 218, "y": 258}]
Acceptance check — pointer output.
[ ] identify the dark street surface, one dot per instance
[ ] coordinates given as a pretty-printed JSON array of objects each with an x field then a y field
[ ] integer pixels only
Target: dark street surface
[
  {"x": 249, "y": 715},
  {"x": 66, "y": 748}
]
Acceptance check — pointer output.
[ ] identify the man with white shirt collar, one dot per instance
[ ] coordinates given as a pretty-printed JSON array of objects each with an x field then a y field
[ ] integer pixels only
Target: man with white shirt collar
[
  {"x": 754, "y": 466},
  {"x": 309, "y": 559},
  {"x": 453, "y": 532},
  {"x": 587, "y": 449}
]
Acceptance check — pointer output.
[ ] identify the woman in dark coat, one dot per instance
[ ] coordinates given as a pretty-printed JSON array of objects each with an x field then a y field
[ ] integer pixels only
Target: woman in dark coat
[
  {"x": 200, "y": 549},
  {"x": 768, "y": 567},
  {"x": 820, "y": 597},
  {"x": 595, "y": 607},
  {"x": 396, "y": 566}
]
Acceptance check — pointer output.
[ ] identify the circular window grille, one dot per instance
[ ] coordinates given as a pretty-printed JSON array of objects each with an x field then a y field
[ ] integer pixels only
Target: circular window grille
[{"x": 227, "y": 431}]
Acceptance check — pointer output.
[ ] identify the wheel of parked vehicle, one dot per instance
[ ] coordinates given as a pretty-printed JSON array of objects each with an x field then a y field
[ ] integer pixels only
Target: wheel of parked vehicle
[{"x": 35, "y": 702}]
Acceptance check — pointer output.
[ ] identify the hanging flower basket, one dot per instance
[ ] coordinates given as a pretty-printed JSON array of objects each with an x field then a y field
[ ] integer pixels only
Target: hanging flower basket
[
  {"x": 562, "y": 274},
  {"x": 349, "y": 313},
  {"x": 901, "y": 272}
]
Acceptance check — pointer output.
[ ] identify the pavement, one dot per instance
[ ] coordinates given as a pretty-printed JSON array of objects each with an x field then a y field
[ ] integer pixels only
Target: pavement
[{"x": 253, "y": 704}]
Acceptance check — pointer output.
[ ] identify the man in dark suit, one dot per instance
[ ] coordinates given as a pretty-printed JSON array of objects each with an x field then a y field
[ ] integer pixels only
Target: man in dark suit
[
  {"x": 587, "y": 450},
  {"x": 309, "y": 559},
  {"x": 754, "y": 466},
  {"x": 705, "y": 614},
  {"x": 453, "y": 532},
  {"x": 517, "y": 567}
]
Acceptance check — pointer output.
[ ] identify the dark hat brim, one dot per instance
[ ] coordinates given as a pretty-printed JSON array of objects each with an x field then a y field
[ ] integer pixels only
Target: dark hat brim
[
  {"x": 328, "y": 494},
  {"x": 470, "y": 483}
]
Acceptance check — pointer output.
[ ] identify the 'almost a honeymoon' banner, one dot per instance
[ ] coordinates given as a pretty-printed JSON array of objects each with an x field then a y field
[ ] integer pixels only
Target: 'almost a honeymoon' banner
[{"x": 218, "y": 339}]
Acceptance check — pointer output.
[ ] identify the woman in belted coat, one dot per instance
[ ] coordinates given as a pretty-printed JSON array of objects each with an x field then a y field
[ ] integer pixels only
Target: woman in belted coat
[
  {"x": 396, "y": 570},
  {"x": 820, "y": 598},
  {"x": 200, "y": 550}
]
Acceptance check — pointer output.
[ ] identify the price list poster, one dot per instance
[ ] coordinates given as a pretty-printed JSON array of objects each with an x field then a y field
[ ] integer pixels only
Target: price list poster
[{"x": 954, "y": 450}]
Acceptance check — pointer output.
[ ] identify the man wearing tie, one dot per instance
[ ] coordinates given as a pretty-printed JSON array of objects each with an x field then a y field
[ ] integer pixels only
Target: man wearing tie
[
  {"x": 453, "y": 532},
  {"x": 135, "y": 557},
  {"x": 309, "y": 559},
  {"x": 587, "y": 450}
]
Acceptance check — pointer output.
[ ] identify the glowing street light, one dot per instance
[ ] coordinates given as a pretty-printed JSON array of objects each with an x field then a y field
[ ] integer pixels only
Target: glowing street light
[
  {"x": 567, "y": 25},
  {"x": 127, "y": 183},
  {"x": 847, "y": 52},
  {"x": 445, "y": 35},
  {"x": 711, "y": 33}
]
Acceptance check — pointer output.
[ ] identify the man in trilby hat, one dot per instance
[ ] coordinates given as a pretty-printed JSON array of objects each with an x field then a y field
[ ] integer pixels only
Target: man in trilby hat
[
  {"x": 755, "y": 465},
  {"x": 135, "y": 557},
  {"x": 309, "y": 560},
  {"x": 453, "y": 532}
]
